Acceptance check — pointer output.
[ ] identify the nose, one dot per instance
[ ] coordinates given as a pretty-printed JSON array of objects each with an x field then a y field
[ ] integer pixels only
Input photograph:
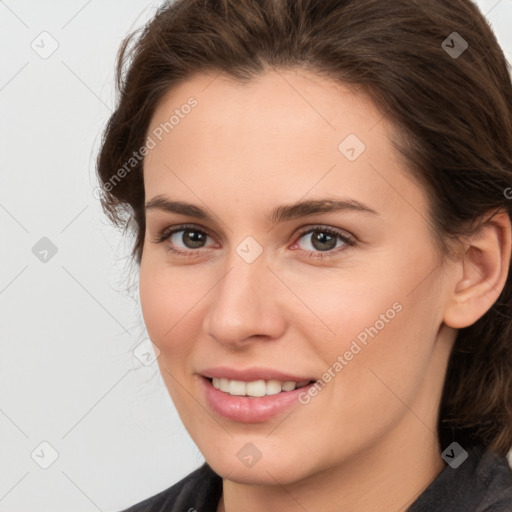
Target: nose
[{"x": 245, "y": 305}]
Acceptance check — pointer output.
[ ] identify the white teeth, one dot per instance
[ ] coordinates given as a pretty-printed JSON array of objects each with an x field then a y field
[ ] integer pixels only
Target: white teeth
[
  {"x": 223, "y": 385},
  {"x": 288, "y": 386},
  {"x": 237, "y": 387},
  {"x": 273, "y": 387},
  {"x": 256, "y": 388}
]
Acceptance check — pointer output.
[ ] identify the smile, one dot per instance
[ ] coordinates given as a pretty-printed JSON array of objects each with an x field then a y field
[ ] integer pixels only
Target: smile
[
  {"x": 251, "y": 401},
  {"x": 256, "y": 388}
]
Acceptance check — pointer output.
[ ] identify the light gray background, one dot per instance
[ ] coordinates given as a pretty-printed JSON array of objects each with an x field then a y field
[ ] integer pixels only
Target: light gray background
[{"x": 68, "y": 376}]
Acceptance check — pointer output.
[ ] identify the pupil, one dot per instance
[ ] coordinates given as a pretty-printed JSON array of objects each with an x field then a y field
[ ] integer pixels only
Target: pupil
[
  {"x": 193, "y": 239},
  {"x": 323, "y": 241}
]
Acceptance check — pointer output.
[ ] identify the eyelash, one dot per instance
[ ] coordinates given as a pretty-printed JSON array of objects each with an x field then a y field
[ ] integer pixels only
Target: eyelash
[{"x": 350, "y": 242}]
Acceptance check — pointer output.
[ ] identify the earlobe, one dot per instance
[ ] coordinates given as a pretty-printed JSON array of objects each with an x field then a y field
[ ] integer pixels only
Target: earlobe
[{"x": 485, "y": 264}]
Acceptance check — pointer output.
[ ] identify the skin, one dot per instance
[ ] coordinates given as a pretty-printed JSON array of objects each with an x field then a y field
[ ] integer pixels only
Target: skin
[{"x": 368, "y": 440}]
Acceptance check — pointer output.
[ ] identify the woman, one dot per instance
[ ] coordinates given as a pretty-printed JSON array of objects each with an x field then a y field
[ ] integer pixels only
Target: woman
[{"x": 319, "y": 193}]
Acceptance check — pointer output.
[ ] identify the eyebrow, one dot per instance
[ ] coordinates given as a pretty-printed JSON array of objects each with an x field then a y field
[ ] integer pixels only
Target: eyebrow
[{"x": 278, "y": 214}]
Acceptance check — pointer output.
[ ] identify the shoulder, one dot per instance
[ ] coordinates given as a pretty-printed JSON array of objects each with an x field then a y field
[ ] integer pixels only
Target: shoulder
[
  {"x": 495, "y": 474},
  {"x": 199, "y": 490},
  {"x": 482, "y": 483}
]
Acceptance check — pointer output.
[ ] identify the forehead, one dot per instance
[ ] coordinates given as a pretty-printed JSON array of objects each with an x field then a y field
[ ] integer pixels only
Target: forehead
[
  {"x": 285, "y": 133},
  {"x": 282, "y": 104}
]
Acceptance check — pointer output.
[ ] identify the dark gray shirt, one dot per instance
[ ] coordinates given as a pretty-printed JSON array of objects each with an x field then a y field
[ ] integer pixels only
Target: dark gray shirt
[{"x": 482, "y": 483}]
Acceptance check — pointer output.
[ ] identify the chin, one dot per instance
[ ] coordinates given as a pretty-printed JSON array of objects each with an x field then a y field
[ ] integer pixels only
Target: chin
[
  {"x": 260, "y": 474},
  {"x": 236, "y": 465}
]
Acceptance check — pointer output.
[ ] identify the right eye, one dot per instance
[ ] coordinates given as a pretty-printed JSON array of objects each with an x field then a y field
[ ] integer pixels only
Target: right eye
[{"x": 183, "y": 240}]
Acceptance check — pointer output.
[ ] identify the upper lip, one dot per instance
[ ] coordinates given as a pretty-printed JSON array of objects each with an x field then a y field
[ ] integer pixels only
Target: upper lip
[{"x": 252, "y": 374}]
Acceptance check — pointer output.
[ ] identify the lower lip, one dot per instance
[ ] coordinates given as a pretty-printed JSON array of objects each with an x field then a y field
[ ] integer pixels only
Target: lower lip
[{"x": 250, "y": 409}]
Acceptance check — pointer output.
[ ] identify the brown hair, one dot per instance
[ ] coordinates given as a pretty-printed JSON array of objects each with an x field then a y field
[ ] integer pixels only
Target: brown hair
[{"x": 453, "y": 113}]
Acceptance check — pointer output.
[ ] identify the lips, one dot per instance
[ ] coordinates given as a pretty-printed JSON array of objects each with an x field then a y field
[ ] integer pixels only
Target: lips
[
  {"x": 252, "y": 374},
  {"x": 245, "y": 409},
  {"x": 251, "y": 409}
]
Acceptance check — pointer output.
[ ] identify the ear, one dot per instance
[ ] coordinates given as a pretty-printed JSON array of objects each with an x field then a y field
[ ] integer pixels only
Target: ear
[{"x": 484, "y": 266}]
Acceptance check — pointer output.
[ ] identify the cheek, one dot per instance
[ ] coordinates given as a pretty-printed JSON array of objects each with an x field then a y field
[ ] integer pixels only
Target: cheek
[
  {"x": 173, "y": 302},
  {"x": 156, "y": 303},
  {"x": 167, "y": 300},
  {"x": 169, "y": 303},
  {"x": 381, "y": 323},
  {"x": 342, "y": 304},
  {"x": 389, "y": 360}
]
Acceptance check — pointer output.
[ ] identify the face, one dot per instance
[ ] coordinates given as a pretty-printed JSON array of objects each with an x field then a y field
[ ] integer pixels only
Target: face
[{"x": 286, "y": 242}]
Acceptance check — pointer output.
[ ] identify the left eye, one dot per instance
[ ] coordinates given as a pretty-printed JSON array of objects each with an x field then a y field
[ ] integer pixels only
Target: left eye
[{"x": 323, "y": 240}]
